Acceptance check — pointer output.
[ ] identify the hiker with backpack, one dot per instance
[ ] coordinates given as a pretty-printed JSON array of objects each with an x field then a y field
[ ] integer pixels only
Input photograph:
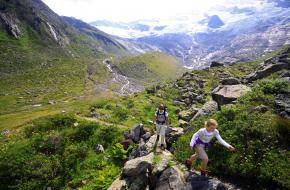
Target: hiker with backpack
[
  {"x": 161, "y": 120},
  {"x": 201, "y": 139}
]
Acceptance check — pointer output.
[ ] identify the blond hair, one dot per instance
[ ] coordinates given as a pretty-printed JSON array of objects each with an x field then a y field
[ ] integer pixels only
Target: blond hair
[{"x": 210, "y": 122}]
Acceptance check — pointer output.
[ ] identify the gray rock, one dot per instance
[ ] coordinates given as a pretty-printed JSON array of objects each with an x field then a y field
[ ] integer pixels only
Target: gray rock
[
  {"x": 171, "y": 179},
  {"x": 5, "y": 132},
  {"x": 172, "y": 134},
  {"x": 137, "y": 166},
  {"x": 266, "y": 71},
  {"x": 146, "y": 136},
  {"x": 285, "y": 74},
  {"x": 138, "y": 182},
  {"x": 135, "y": 133},
  {"x": 225, "y": 94},
  {"x": 99, "y": 149},
  {"x": 182, "y": 123},
  {"x": 230, "y": 81},
  {"x": 208, "y": 107},
  {"x": 261, "y": 108},
  {"x": 51, "y": 102},
  {"x": 118, "y": 184},
  {"x": 282, "y": 104},
  {"x": 186, "y": 115},
  {"x": 178, "y": 103}
]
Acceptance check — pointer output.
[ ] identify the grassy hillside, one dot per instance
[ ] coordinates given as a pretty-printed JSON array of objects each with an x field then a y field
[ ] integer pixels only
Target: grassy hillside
[
  {"x": 66, "y": 149},
  {"x": 151, "y": 67}
]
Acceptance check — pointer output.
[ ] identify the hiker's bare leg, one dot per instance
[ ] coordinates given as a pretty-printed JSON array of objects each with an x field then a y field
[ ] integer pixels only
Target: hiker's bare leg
[
  {"x": 204, "y": 164},
  {"x": 162, "y": 138},
  {"x": 193, "y": 157}
]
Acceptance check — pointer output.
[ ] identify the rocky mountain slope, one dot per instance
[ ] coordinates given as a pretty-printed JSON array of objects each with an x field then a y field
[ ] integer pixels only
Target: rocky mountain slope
[
  {"x": 45, "y": 57},
  {"x": 148, "y": 167},
  {"x": 94, "y": 146},
  {"x": 246, "y": 34}
]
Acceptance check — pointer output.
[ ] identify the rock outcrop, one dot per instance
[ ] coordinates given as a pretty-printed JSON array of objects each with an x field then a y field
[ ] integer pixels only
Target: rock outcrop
[
  {"x": 270, "y": 66},
  {"x": 158, "y": 171},
  {"x": 208, "y": 107},
  {"x": 266, "y": 71},
  {"x": 11, "y": 24},
  {"x": 225, "y": 94},
  {"x": 135, "y": 133},
  {"x": 282, "y": 103}
]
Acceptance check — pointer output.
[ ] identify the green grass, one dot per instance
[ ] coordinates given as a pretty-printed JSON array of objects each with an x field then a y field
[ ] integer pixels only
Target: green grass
[{"x": 151, "y": 67}]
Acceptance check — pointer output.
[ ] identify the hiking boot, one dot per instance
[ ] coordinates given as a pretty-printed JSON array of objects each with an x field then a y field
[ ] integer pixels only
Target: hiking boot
[
  {"x": 203, "y": 173},
  {"x": 162, "y": 147},
  {"x": 188, "y": 164}
]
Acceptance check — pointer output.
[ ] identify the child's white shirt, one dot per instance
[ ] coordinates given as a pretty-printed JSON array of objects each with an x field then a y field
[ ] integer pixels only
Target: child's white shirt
[{"x": 206, "y": 137}]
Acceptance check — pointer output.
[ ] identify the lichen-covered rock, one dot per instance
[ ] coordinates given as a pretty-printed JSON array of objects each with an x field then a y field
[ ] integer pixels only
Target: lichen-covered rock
[
  {"x": 171, "y": 179},
  {"x": 208, "y": 107},
  {"x": 225, "y": 94},
  {"x": 137, "y": 166},
  {"x": 282, "y": 103}
]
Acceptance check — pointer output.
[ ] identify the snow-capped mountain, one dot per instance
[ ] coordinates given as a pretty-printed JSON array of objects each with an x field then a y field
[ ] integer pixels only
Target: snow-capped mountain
[{"x": 230, "y": 35}]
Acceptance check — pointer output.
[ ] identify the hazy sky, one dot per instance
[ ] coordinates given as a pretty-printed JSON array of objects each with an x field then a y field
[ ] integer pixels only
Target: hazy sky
[{"x": 129, "y": 10}]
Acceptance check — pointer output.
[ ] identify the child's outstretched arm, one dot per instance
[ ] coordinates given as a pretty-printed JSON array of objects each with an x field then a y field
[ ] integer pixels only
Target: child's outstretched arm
[{"x": 223, "y": 142}]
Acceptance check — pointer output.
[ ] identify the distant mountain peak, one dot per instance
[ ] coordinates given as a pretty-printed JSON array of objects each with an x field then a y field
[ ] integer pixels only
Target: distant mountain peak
[{"x": 215, "y": 22}]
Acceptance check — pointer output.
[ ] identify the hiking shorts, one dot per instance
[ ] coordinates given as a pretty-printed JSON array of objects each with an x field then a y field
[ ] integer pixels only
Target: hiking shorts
[
  {"x": 161, "y": 129},
  {"x": 199, "y": 150}
]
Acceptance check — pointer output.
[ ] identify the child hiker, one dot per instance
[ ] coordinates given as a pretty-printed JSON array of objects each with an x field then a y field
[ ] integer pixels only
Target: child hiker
[
  {"x": 161, "y": 120},
  {"x": 200, "y": 140}
]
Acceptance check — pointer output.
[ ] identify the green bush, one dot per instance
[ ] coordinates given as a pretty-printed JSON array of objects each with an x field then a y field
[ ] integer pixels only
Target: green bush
[
  {"x": 55, "y": 153},
  {"x": 57, "y": 122},
  {"x": 119, "y": 153},
  {"x": 120, "y": 113},
  {"x": 273, "y": 86},
  {"x": 100, "y": 104},
  {"x": 83, "y": 132}
]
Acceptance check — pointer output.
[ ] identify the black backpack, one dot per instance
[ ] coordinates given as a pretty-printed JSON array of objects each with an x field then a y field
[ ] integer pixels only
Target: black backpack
[{"x": 164, "y": 118}]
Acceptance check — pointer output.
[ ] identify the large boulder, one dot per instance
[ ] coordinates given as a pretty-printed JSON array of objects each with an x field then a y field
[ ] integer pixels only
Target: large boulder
[
  {"x": 137, "y": 166},
  {"x": 225, "y": 94},
  {"x": 144, "y": 149},
  {"x": 171, "y": 179},
  {"x": 267, "y": 70},
  {"x": 172, "y": 134},
  {"x": 208, "y": 107},
  {"x": 282, "y": 104},
  {"x": 135, "y": 133},
  {"x": 161, "y": 163}
]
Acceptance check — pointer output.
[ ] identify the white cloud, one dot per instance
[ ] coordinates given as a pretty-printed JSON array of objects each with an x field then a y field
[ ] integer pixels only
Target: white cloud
[{"x": 129, "y": 10}]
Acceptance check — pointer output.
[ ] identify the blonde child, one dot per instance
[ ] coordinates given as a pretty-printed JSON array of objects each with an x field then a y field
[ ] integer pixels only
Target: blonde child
[{"x": 200, "y": 140}]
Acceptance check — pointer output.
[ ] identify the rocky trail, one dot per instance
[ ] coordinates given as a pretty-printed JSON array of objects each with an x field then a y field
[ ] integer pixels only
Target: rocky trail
[
  {"x": 151, "y": 168},
  {"x": 97, "y": 120}
]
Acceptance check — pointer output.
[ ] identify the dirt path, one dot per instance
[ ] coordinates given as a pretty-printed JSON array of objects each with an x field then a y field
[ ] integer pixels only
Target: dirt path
[{"x": 102, "y": 122}]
